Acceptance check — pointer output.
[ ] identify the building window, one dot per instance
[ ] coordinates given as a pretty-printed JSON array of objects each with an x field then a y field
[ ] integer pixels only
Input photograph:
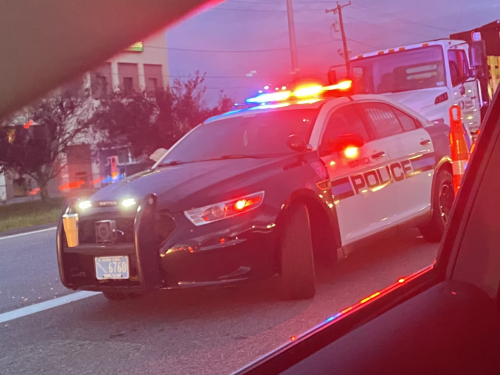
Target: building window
[
  {"x": 101, "y": 82},
  {"x": 153, "y": 76},
  {"x": 128, "y": 84},
  {"x": 128, "y": 75},
  {"x": 152, "y": 84}
]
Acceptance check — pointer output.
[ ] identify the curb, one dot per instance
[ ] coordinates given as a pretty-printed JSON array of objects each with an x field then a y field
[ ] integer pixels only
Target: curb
[{"x": 26, "y": 230}]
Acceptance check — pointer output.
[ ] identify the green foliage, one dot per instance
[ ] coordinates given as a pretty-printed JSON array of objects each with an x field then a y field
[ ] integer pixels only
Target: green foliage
[
  {"x": 148, "y": 121},
  {"x": 35, "y": 150},
  {"x": 23, "y": 215}
]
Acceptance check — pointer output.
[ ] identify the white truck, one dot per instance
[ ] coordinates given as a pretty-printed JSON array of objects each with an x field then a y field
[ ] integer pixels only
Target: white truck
[{"x": 427, "y": 77}]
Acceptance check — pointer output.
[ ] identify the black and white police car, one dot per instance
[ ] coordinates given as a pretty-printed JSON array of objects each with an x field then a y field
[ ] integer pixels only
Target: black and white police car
[{"x": 296, "y": 178}]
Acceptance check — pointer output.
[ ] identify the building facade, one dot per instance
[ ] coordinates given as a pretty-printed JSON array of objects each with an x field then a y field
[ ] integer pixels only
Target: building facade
[{"x": 142, "y": 67}]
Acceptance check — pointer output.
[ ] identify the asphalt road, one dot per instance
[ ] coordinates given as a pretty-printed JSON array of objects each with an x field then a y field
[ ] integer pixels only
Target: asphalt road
[{"x": 208, "y": 331}]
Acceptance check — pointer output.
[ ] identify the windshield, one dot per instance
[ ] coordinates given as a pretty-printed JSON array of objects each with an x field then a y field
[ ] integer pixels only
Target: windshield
[
  {"x": 415, "y": 69},
  {"x": 253, "y": 134}
]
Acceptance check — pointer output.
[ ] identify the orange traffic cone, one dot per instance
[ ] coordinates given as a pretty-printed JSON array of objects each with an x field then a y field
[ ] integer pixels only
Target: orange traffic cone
[{"x": 458, "y": 145}]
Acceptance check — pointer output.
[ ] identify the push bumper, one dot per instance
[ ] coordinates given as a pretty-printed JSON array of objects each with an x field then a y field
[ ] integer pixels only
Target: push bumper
[{"x": 232, "y": 251}]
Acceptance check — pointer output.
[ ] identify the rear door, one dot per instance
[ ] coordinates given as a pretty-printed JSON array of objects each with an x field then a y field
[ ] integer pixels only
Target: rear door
[
  {"x": 412, "y": 163},
  {"x": 361, "y": 187}
]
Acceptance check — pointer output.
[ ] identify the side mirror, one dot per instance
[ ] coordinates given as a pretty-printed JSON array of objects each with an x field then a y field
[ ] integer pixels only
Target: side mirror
[
  {"x": 297, "y": 144},
  {"x": 158, "y": 154},
  {"x": 332, "y": 77},
  {"x": 339, "y": 144}
]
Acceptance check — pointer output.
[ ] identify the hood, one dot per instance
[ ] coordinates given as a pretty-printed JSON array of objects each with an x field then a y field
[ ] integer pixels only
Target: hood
[
  {"x": 190, "y": 185},
  {"x": 420, "y": 100}
]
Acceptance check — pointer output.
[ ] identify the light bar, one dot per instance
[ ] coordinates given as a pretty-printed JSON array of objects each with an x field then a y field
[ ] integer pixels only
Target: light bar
[
  {"x": 300, "y": 93},
  {"x": 271, "y": 97},
  {"x": 344, "y": 85},
  {"x": 308, "y": 91}
]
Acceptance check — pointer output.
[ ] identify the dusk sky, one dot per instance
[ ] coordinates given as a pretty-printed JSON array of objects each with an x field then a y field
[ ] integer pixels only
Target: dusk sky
[{"x": 258, "y": 31}]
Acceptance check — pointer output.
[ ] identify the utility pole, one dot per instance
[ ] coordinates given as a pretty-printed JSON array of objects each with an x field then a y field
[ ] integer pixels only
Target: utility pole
[
  {"x": 338, "y": 10},
  {"x": 293, "y": 39}
]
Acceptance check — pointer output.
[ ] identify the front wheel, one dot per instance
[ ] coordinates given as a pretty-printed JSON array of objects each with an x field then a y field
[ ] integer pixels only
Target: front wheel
[
  {"x": 297, "y": 260},
  {"x": 443, "y": 197}
]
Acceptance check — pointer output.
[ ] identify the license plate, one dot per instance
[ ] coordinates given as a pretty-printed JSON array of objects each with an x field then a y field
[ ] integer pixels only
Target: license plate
[{"x": 111, "y": 268}]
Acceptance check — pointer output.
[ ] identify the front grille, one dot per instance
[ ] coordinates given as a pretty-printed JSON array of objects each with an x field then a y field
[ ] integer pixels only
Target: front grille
[{"x": 86, "y": 230}]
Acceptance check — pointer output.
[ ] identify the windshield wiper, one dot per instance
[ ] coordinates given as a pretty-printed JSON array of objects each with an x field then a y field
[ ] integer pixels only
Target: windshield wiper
[
  {"x": 173, "y": 162},
  {"x": 222, "y": 157},
  {"x": 238, "y": 156}
]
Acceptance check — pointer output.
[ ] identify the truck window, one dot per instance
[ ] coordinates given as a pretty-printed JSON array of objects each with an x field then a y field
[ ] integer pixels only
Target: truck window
[
  {"x": 413, "y": 69},
  {"x": 382, "y": 118},
  {"x": 459, "y": 66},
  {"x": 343, "y": 121}
]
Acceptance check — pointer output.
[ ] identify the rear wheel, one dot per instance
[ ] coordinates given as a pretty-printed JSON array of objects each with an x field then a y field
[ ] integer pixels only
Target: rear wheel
[
  {"x": 119, "y": 296},
  {"x": 443, "y": 197},
  {"x": 297, "y": 260}
]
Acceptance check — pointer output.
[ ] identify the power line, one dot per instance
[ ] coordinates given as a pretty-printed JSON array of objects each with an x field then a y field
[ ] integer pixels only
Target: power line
[
  {"x": 387, "y": 27},
  {"x": 243, "y": 51},
  {"x": 385, "y": 15}
]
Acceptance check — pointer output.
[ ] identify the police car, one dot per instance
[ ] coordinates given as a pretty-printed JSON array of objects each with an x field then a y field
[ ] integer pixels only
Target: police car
[{"x": 294, "y": 179}]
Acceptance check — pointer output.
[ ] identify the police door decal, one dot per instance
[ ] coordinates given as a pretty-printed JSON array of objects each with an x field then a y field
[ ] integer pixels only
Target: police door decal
[{"x": 378, "y": 178}]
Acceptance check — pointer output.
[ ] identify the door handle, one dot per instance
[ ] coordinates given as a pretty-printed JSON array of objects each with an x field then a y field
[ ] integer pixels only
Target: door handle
[
  {"x": 425, "y": 142},
  {"x": 378, "y": 155}
]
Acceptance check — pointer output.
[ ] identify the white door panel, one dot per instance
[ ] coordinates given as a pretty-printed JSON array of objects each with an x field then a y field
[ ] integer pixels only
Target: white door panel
[
  {"x": 414, "y": 151},
  {"x": 362, "y": 191}
]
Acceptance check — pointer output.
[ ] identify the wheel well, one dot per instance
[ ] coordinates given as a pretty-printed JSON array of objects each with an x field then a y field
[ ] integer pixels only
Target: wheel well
[
  {"x": 446, "y": 166},
  {"x": 323, "y": 236}
]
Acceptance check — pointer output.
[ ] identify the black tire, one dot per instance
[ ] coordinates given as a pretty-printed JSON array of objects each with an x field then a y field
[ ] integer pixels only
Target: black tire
[
  {"x": 119, "y": 296},
  {"x": 442, "y": 201},
  {"x": 297, "y": 259}
]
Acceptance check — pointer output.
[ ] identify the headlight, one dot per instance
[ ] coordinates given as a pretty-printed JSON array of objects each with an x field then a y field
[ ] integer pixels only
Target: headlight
[
  {"x": 129, "y": 202},
  {"x": 84, "y": 205},
  {"x": 223, "y": 210}
]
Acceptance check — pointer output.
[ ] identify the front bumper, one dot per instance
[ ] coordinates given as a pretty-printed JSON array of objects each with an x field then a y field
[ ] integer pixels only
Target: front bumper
[{"x": 233, "y": 250}]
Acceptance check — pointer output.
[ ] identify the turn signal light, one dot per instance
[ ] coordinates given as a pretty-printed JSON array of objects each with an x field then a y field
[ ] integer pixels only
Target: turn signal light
[{"x": 441, "y": 98}]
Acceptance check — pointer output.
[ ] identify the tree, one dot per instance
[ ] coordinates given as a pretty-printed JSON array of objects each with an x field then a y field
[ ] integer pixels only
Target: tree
[
  {"x": 150, "y": 120},
  {"x": 126, "y": 119},
  {"x": 33, "y": 141}
]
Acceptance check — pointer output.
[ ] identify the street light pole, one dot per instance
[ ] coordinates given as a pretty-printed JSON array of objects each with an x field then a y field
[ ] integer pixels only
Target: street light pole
[{"x": 293, "y": 39}]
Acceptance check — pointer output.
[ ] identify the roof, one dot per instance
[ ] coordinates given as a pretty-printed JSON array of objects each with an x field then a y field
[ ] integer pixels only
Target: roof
[
  {"x": 313, "y": 103},
  {"x": 437, "y": 42}
]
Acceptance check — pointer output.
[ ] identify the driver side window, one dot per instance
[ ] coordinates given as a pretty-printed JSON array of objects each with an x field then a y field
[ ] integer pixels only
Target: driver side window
[
  {"x": 344, "y": 120},
  {"x": 459, "y": 66}
]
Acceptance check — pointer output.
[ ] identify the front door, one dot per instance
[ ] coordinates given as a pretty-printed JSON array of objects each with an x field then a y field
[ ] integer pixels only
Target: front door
[
  {"x": 360, "y": 181},
  {"x": 465, "y": 91}
]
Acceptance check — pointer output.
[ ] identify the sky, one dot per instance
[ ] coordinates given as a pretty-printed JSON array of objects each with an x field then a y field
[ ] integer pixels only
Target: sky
[{"x": 239, "y": 37}]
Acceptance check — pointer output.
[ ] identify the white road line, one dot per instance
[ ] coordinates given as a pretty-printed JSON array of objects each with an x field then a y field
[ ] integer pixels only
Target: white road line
[
  {"x": 27, "y": 233},
  {"x": 28, "y": 310}
]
